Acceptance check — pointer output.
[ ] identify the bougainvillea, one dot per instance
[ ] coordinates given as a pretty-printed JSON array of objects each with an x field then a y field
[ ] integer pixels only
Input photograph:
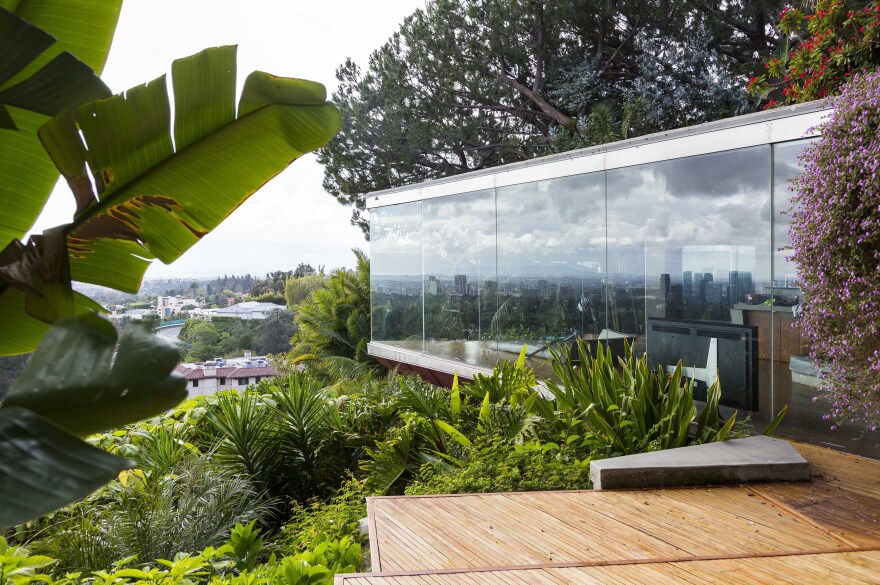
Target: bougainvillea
[
  {"x": 830, "y": 46},
  {"x": 835, "y": 233}
]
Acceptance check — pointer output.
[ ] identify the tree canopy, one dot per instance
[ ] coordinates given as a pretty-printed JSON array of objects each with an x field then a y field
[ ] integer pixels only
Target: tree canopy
[{"x": 470, "y": 84}]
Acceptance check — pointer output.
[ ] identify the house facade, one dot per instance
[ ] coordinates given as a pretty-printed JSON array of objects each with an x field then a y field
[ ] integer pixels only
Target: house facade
[
  {"x": 247, "y": 310},
  {"x": 170, "y": 306},
  {"x": 674, "y": 242},
  {"x": 210, "y": 377}
]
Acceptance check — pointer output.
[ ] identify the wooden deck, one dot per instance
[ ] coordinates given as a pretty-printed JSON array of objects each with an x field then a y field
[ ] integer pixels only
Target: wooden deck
[
  {"x": 826, "y": 529},
  {"x": 825, "y": 568}
]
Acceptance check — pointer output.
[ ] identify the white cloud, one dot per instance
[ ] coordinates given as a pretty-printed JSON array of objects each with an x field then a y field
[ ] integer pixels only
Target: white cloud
[{"x": 292, "y": 219}]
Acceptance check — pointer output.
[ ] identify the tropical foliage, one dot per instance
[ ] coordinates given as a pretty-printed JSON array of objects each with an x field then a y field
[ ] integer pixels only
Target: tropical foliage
[
  {"x": 334, "y": 323},
  {"x": 835, "y": 234},
  {"x": 225, "y": 485},
  {"x": 144, "y": 190}
]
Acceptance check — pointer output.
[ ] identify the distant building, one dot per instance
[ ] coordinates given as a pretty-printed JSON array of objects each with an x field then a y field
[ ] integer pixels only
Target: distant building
[
  {"x": 460, "y": 284},
  {"x": 137, "y": 314},
  {"x": 169, "y": 306},
  {"x": 247, "y": 311},
  {"x": 209, "y": 377}
]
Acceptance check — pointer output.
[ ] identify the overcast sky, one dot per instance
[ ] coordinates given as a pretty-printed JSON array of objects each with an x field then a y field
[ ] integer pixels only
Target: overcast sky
[{"x": 291, "y": 219}]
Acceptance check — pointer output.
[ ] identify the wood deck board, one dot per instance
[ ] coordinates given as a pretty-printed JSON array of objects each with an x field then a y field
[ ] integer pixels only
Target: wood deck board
[
  {"x": 492, "y": 530},
  {"x": 854, "y": 473},
  {"x": 758, "y": 533},
  {"x": 853, "y": 516},
  {"x": 827, "y": 568}
]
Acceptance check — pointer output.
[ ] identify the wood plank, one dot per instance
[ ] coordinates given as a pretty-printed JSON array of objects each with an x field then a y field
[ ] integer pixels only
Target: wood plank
[
  {"x": 493, "y": 530},
  {"x": 844, "y": 470},
  {"x": 852, "y": 517},
  {"x": 829, "y": 568}
]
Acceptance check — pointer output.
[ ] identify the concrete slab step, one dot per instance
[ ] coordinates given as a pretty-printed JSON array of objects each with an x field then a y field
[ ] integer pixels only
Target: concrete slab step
[{"x": 753, "y": 459}]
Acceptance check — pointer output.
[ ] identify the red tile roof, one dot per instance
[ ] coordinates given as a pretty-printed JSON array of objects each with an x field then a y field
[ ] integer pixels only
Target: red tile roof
[{"x": 198, "y": 373}]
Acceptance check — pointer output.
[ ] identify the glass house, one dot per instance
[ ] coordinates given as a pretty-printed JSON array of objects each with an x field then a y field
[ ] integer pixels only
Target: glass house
[{"x": 673, "y": 241}]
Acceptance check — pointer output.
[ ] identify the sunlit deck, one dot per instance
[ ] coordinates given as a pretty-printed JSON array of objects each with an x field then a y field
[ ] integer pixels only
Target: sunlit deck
[{"x": 827, "y": 529}]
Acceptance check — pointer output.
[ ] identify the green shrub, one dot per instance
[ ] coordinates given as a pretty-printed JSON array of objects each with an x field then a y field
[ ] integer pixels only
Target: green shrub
[
  {"x": 627, "y": 408},
  {"x": 326, "y": 521},
  {"x": 493, "y": 464}
]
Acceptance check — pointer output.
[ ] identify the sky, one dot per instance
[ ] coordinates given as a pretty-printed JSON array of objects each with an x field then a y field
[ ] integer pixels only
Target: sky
[{"x": 292, "y": 219}]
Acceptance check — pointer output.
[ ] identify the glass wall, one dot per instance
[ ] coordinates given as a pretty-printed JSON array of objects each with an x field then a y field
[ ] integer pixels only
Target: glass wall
[
  {"x": 551, "y": 264},
  {"x": 459, "y": 276},
  {"x": 685, "y": 258},
  {"x": 396, "y": 296},
  {"x": 688, "y": 247}
]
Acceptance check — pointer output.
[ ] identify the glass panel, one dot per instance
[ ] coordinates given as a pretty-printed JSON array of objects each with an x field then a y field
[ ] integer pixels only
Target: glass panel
[
  {"x": 795, "y": 376},
  {"x": 396, "y": 275},
  {"x": 551, "y": 264},
  {"x": 460, "y": 281},
  {"x": 689, "y": 266}
]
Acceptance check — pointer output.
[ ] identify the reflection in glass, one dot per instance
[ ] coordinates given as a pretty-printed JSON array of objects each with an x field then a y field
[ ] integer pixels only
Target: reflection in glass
[
  {"x": 459, "y": 276},
  {"x": 551, "y": 262},
  {"x": 689, "y": 243},
  {"x": 685, "y": 257},
  {"x": 795, "y": 377},
  {"x": 396, "y": 275}
]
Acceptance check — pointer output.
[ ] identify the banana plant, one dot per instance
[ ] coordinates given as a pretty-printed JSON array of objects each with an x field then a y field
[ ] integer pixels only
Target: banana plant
[{"x": 144, "y": 190}]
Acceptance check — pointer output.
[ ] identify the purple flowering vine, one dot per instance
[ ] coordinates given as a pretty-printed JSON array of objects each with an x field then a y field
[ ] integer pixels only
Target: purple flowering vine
[{"x": 835, "y": 235}]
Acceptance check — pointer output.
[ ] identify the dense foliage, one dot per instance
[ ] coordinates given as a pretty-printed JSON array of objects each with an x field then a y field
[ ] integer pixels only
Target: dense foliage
[
  {"x": 334, "y": 321},
  {"x": 285, "y": 466},
  {"x": 204, "y": 340},
  {"x": 139, "y": 183},
  {"x": 823, "y": 51},
  {"x": 835, "y": 233},
  {"x": 470, "y": 84}
]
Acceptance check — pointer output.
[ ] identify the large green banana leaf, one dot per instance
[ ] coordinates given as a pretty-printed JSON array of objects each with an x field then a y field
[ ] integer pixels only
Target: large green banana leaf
[
  {"x": 74, "y": 381},
  {"x": 156, "y": 195},
  {"x": 38, "y": 78},
  {"x": 75, "y": 385}
]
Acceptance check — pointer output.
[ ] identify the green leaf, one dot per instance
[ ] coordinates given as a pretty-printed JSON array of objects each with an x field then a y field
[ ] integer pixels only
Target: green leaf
[
  {"x": 485, "y": 413},
  {"x": 725, "y": 430},
  {"x": 73, "y": 381},
  {"x": 43, "y": 467},
  {"x": 155, "y": 199},
  {"x": 455, "y": 396},
  {"x": 22, "y": 333},
  {"x": 454, "y": 433},
  {"x": 771, "y": 428},
  {"x": 84, "y": 29},
  {"x": 521, "y": 360}
]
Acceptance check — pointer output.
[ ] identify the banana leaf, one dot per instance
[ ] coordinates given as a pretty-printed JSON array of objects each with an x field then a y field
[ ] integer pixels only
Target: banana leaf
[
  {"x": 152, "y": 194},
  {"x": 50, "y": 51},
  {"x": 43, "y": 467}
]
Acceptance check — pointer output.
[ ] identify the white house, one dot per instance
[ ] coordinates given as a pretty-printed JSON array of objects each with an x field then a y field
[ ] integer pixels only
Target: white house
[
  {"x": 209, "y": 377},
  {"x": 168, "y": 306},
  {"x": 247, "y": 310}
]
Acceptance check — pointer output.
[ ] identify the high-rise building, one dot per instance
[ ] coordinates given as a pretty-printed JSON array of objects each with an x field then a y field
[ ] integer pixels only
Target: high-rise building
[
  {"x": 665, "y": 282},
  {"x": 460, "y": 287}
]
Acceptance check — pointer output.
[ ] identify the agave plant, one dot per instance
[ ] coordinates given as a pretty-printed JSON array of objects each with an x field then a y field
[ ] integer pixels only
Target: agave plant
[{"x": 627, "y": 408}]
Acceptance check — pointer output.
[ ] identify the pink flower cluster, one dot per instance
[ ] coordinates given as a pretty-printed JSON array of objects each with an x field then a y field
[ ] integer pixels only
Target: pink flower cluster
[{"x": 835, "y": 233}]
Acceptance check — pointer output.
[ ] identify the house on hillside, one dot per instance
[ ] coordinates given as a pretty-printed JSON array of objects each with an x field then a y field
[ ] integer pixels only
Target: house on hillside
[
  {"x": 674, "y": 242},
  {"x": 247, "y": 310},
  {"x": 210, "y": 377},
  {"x": 170, "y": 306}
]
